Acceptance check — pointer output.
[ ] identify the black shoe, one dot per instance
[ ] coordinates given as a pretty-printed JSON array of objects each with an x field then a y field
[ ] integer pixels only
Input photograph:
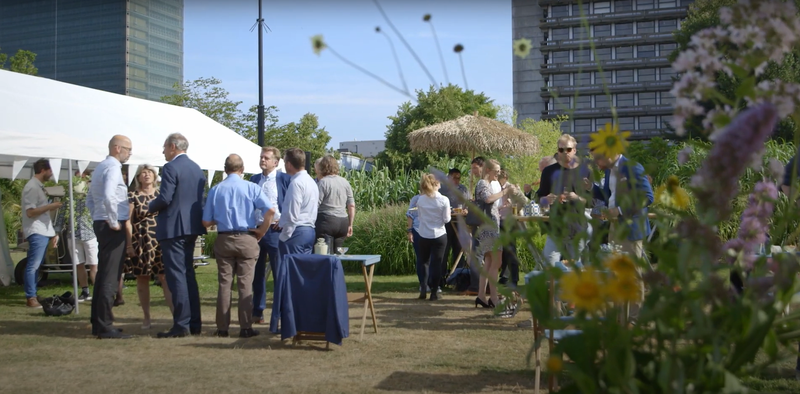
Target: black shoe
[
  {"x": 84, "y": 297},
  {"x": 248, "y": 333},
  {"x": 221, "y": 334},
  {"x": 118, "y": 302},
  {"x": 173, "y": 334},
  {"x": 434, "y": 296},
  {"x": 114, "y": 334},
  {"x": 195, "y": 331},
  {"x": 94, "y": 331},
  {"x": 480, "y": 302},
  {"x": 422, "y": 296}
]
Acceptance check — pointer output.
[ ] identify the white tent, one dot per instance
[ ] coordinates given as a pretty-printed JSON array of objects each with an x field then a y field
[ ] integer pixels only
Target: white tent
[{"x": 71, "y": 125}]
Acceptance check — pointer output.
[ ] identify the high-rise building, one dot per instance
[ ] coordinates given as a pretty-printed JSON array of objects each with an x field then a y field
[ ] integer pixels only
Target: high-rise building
[
  {"x": 132, "y": 47},
  {"x": 632, "y": 40}
]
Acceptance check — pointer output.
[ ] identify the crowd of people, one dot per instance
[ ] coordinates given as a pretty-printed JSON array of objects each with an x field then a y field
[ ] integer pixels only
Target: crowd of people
[
  {"x": 151, "y": 230},
  {"x": 565, "y": 190}
]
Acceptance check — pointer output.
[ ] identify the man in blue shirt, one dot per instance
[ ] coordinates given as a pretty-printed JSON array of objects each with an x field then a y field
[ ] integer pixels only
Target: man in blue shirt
[
  {"x": 232, "y": 205},
  {"x": 300, "y": 205}
]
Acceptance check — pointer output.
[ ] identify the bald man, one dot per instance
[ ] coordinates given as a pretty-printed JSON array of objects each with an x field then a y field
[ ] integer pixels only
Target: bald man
[
  {"x": 107, "y": 201},
  {"x": 231, "y": 206}
]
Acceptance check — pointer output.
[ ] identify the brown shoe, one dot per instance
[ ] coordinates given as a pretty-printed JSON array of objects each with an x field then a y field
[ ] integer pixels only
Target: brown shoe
[{"x": 33, "y": 303}]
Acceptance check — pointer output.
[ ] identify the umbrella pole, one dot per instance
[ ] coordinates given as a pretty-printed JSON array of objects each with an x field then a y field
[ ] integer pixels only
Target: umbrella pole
[
  {"x": 74, "y": 256},
  {"x": 471, "y": 175}
]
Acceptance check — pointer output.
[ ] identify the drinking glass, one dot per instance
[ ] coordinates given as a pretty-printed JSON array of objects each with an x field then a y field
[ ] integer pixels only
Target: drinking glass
[{"x": 342, "y": 250}]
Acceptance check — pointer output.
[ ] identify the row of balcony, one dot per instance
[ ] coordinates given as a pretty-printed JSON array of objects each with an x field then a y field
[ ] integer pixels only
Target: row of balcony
[
  {"x": 623, "y": 87},
  {"x": 608, "y": 41},
  {"x": 615, "y": 64},
  {"x": 623, "y": 16},
  {"x": 588, "y": 113},
  {"x": 644, "y": 134}
]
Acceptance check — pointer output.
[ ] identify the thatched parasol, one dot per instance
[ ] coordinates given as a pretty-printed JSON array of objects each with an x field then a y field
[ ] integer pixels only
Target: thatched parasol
[{"x": 473, "y": 134}]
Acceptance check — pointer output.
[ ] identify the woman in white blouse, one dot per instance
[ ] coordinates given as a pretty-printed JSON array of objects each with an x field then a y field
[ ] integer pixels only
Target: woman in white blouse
[{"x": 433, "y": 211}]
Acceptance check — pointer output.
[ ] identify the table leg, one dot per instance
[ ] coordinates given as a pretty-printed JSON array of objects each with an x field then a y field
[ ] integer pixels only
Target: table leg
[
  {"x": 368, "y": 301},
  {"x": 369, "y": 298}
]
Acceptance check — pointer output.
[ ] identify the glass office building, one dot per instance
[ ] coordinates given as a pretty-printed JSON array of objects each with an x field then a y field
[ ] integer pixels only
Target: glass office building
[
  {"x": 632, "y": 39},
  {"x": 132, "y": 47}
]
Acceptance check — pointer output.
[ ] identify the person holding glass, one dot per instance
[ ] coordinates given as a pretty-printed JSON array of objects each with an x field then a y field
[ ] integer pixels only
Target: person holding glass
[
  {"x": 337, "y": 207},
  {"x": 434, "y": 214}
]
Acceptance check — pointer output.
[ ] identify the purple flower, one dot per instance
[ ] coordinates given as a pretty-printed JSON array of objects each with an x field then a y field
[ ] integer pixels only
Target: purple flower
[
  {"x": 684, "y": 155},
  {"x": 755, "y": 224},
  {"x": 717, "y": 181},
  {"x": 544, "y": 202}
]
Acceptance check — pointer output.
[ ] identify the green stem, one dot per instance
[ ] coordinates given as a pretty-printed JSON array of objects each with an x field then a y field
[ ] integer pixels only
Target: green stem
[
  {"x": 439, "y": 49},
  {"x": 396, "y": 61},
  {"x": 403, "y": 40},
  {"x": 365, "y": 71},
  {"x": 463, "y": 73}
]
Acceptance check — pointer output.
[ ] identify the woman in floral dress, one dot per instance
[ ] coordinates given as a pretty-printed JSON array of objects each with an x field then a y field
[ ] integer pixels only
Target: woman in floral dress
[{"x": 143, "y": 250}]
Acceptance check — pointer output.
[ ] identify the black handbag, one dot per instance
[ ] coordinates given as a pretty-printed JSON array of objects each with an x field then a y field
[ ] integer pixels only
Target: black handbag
[{"x": 58, "y": 305}]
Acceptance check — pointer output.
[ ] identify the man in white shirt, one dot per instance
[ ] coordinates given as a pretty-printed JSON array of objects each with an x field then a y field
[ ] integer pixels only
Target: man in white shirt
[
  {"x": 299, "y": 208},
  {"x": 108, "y": 203},
  {"x": 37, "y": 226}
]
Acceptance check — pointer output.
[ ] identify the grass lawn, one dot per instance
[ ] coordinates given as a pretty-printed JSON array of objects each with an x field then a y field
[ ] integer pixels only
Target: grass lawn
[{"x": 447, "y": 346}]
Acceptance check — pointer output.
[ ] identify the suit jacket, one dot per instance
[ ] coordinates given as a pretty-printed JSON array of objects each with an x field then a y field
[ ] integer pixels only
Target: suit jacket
[
  {"x": 180, "y": 202},
  {"x": 633, "y": 213},
  {"x": 282, "y": 180}
]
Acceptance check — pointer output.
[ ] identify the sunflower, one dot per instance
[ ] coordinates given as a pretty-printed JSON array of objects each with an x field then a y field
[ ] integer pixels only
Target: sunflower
[
  {"x": 609, "y": 141},
  {"x": 583, "y": 289},
  {"x": 624, "y": 288},
  {"x": 555, "y": 364},
  {"x": 318, "y": 44},
  {"x": 522, "y": 47},
  {"x": 672, "y": 195},
  {"x": 621, "y": 264}
]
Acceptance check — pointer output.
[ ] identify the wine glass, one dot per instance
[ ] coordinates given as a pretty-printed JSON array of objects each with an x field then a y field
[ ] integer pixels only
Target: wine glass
[{"x": 342, "y": 250}]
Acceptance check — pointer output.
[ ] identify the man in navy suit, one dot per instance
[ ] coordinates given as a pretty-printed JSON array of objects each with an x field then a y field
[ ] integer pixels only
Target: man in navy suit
[
  {"x": 274, "y": 184},
  {"x": 627, "y": 193},
  {"x": 179, "y": 222}
]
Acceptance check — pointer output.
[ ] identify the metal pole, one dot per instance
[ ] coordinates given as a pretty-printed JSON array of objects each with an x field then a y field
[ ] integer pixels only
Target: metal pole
[
  {"x": 74, "y": 256},
  {"x": 260, "y": 77}
]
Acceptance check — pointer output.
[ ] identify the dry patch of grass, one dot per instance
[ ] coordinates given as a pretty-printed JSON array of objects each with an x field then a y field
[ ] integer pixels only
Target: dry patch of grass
[{"x": 447, "y": 346}]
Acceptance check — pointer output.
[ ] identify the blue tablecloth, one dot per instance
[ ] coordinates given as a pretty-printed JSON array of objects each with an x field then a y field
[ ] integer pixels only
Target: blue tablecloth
[{"x": 310, "y": 295}]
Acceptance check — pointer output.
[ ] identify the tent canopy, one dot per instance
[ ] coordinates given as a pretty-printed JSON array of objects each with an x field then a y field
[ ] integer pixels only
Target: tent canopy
[{"x": 43, "y": 118}]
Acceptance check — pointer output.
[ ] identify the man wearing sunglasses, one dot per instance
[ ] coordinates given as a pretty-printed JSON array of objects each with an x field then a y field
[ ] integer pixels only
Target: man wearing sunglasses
[{"x": 563, "y": 189}]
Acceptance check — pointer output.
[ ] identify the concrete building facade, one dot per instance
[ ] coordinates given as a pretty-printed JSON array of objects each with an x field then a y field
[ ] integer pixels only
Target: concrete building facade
[
  {"x": 367, "y": 149},
  {"x": 132, "y": 47},
  {"x": 563, "y": 76}
]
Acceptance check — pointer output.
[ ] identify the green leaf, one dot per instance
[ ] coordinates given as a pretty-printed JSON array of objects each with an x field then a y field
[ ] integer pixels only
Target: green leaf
[
  {"x": 771, "y": 345},
  {"x": 732, "y": 384},
  {"x": 738, "y": 70},
  {"x": 746, "y": 88}
]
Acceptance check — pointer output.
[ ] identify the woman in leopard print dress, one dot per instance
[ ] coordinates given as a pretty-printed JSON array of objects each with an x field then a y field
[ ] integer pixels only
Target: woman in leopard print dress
[{"x": 143, "y": 250}]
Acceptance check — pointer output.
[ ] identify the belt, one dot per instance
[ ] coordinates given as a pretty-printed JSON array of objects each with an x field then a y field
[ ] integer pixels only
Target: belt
[{"x": 234, "y": 232}]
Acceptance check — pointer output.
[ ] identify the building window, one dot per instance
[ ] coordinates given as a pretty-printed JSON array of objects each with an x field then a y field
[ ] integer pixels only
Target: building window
[
  {"x": 646, "y": 74},
  {"x": 602, "y": 101},
  {"x": 666, "y": 121},
  {"x": 666, "y": 98},
  {"x": 565, "y": 127},
  {"x": 645, "y": 4},
  {"x": 581, "y": 55},
  {"x": 582, "y": 79},
  {"x": 583, "y": 102},
  {"x": 647, "y": 123},
  {"x": 623, "y": 29},
  {"x": 624, "y": 76},
  {"x": 645, "y": 27},
  {"x": 643, "y": 51},
  {"x": 561, "y": 80},
  {"x": 647, "y": 98},
  {"x": 579, "y": 33},
  {"x": 601, "y": 122},
  {"x": 583, "y": 126},
  {"x": 625, "y": 100},
  {"x": 559, "y": 57},
  {"x": 602, "y": 78},
  {"x": 576, "y": 9},
  {"x": 667, "y": 25},
  {"x": 602, "y": 7},
  {"x": 602, "y": 30},
  {"x": 624, "y": 52},
  {"x": 666, "y": 49},
  {"x": 559, "y": 11},
  {"x": 560, "y": 34},
  {"x": 623, "y": 5},
  {"x": 667, "y": 73},
  {"x": 602, "y": 54},
  {"x": 625, "y": 124},
  {"x": 563, "y": 103},
  {"x": 667, "y": 3}
]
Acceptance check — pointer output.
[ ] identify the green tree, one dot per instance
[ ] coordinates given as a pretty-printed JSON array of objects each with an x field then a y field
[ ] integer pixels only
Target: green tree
[
  {"x": 437, "y": 105},
  {"x": 305, "y": 134},
  {"x": 525, "y": 169},
  {"x": 21, "y": 62}
]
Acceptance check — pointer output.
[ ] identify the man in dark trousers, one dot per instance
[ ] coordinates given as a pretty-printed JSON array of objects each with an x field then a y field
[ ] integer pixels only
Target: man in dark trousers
[
  {"x": 274, "y": 184},
  {"x": 180, "y": 220},
  {"x": 108, "y": 203}
]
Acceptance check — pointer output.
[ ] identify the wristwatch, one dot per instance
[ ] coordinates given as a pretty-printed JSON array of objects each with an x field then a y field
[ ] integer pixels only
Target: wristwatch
[{"x": 409, "y": 229}]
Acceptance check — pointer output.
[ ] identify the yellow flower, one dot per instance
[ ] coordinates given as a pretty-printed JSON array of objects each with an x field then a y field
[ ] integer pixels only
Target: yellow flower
[
  {"x": 624, "y": 288},
  {"x": 583, "y": 289},
  {"x": 522, "y": 47},
  {"x": 318, "y": 44},
  {"x": 621, "y": 264},
  {"x": 672, "y": 195},
  {"x": 609, "y": 141},
  {"x": 555, "y": 364}
]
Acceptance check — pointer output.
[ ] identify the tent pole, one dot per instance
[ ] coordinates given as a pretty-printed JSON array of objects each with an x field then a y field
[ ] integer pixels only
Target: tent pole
[{"x": 73, "y": 256}]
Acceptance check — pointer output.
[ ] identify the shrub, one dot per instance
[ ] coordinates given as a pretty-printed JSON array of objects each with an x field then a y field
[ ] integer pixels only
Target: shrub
[{"x": 383, "y": 231}]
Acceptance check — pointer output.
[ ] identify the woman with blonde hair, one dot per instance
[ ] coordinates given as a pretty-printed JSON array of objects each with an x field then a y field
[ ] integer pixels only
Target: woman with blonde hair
[
  {"x": 337, "y": 207},
  {"x": 433, "y": 210},
  {"x": 489, "y": 233},
  {"x": 143, "y": 250}
]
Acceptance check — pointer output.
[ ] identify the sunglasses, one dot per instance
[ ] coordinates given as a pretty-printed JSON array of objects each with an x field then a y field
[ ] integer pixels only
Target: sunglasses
[{"x": 562, "y": 150}]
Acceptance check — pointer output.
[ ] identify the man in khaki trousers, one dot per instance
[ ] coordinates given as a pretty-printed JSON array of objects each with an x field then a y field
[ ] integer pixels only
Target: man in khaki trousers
[{"x": 231, "y": 206}]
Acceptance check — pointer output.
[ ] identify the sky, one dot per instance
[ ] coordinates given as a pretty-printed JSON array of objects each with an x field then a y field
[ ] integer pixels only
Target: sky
[{"x": 350, "y": 104}]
